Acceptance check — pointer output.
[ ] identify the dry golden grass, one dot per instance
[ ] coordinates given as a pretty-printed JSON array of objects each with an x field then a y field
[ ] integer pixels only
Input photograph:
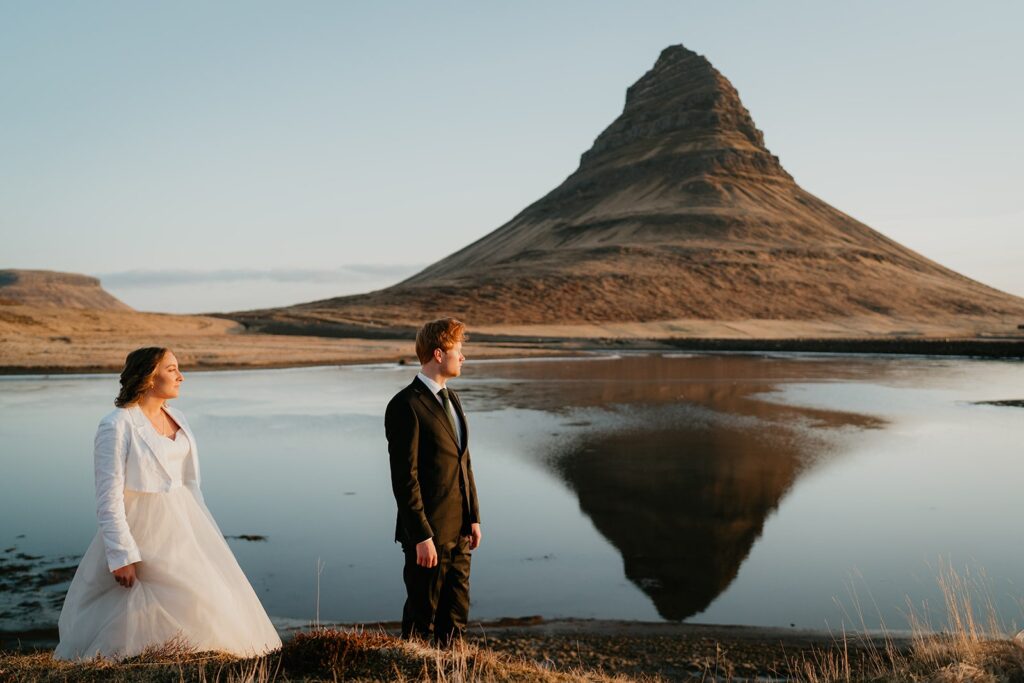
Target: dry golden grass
[
  {"x": 973, "y": 646},
  {"x": 318, "y": 655}
]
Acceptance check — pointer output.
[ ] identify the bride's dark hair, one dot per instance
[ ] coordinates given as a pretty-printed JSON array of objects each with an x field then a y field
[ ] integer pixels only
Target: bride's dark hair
[{"x": 137, "y": 375}]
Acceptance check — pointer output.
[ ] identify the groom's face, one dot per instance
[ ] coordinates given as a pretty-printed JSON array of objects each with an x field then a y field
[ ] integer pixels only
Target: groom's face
[{"x": 451, "y": 361}]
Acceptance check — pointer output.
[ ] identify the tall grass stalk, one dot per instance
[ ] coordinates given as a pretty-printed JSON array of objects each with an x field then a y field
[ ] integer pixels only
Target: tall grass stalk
[
  {"x": 973, "y": 646},
  {"x": 320, "y": 564}
]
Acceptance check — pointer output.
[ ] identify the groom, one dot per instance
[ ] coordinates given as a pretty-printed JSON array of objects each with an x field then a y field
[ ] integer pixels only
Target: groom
[{"x": 432, "y": 479}]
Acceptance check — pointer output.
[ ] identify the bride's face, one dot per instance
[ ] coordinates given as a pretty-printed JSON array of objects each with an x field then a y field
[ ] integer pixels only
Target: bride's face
[{"x": 167, "y": 378}]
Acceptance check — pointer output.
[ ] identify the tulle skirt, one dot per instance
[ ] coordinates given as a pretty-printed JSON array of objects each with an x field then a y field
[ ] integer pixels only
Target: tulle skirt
[{"x": 189, "y": 587}]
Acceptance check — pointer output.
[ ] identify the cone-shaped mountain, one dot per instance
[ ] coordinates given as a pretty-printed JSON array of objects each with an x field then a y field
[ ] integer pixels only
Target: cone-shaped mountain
[{"x": 677, "y": 211}]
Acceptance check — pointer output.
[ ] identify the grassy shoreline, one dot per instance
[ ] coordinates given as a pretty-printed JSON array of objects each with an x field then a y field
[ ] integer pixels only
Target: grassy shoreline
[
  {"x": 365, "y": 655},
  {"x": 533, "y": 649}
]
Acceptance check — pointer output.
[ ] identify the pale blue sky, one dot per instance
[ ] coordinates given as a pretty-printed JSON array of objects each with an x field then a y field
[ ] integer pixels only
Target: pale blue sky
[{"x": 246, "y": 137}]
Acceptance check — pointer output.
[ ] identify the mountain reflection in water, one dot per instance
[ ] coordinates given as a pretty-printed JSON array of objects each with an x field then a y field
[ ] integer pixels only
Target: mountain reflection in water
[{"x": 689, "y": 462}]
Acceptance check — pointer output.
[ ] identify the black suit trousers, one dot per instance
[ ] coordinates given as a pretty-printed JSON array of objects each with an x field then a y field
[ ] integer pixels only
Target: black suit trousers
[{"x": 437, "y": 599}]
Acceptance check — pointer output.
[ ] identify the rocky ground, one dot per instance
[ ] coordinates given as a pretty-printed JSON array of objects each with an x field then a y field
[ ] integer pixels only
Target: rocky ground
[{"x": 669, "y": 650}]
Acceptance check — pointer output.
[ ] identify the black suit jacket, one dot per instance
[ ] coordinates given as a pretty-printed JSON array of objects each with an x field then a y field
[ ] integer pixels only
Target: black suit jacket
[{"x": 431, "y": 474}]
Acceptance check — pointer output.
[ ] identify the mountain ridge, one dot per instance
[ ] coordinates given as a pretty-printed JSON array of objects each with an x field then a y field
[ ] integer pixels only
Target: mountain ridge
[{"x": 678, "y": 211}]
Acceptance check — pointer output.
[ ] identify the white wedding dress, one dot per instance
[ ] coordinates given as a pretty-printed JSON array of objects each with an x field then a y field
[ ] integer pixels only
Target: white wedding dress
[{"x": 189, "y": 585}]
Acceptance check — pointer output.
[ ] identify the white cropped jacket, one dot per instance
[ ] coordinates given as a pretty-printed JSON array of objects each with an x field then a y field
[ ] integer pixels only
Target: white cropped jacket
[{"x": 126, "y": 458}]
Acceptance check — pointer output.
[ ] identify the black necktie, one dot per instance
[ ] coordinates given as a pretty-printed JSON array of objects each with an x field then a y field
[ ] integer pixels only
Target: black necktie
[{"x": 448, "y": 410}]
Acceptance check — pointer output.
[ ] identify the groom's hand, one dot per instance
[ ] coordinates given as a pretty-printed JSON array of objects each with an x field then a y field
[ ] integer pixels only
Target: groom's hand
[
  {"x": 475, "y": 536},
  {"x": 426, "y": 553}
]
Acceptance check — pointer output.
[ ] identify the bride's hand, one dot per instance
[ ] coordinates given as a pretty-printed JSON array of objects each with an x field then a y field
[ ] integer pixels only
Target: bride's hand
[{"x": 125, "y": 575}]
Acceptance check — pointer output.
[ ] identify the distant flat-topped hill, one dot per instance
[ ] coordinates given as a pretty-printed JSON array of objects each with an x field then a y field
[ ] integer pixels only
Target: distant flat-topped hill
[
  {"x": 678, "y": 212},
  {"x": 65, "y": 322},
  {"x": 52, "y": 289}
]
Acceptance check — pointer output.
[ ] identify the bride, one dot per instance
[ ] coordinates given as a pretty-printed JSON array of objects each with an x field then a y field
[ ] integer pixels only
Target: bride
[{"x": 159, "y": 568}]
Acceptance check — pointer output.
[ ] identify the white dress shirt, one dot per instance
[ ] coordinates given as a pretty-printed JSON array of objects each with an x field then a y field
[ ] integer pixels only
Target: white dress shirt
[{"x": 434, "y": 389}]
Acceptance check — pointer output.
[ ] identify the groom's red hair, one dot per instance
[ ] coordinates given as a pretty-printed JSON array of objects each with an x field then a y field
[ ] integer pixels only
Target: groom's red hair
[{"x": 439, "y": 334}]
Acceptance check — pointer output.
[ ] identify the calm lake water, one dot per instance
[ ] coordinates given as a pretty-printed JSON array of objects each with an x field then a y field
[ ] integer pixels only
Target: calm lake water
[{"x": 738, "y": 489}]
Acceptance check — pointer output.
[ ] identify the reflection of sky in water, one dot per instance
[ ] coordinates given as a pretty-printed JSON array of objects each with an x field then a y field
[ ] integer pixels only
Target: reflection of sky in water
[{"x": 299, "y": 456}]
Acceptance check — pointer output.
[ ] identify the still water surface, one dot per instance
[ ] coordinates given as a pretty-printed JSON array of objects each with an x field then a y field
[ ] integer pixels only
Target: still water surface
[{"x": 761, "y": 490}]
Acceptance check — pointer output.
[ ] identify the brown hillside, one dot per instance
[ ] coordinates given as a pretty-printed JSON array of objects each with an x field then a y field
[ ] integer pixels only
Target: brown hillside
[
  {"x": 48, "y": 288},
  {"x": 64, "y": 322},
  {"x": 677, "y": 212}
]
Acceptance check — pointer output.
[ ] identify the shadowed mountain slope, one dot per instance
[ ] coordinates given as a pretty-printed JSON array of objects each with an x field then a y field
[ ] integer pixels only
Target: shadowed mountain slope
[{"x": 678, "y": 211}]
